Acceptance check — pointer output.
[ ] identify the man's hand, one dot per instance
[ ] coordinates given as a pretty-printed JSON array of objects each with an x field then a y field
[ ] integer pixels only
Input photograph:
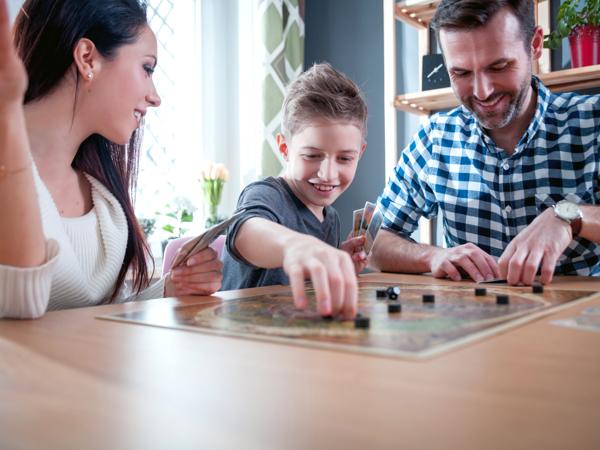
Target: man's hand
[
  {"x": 201, "y": 275},
  {"x": 332, "y": 274},
  {"x": 541, "y": 243},
  {"x": 354, "y": 247},
  {"x": 467, "y": 258}
]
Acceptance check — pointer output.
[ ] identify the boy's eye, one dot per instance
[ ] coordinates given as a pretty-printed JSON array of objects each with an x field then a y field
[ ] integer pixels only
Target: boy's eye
[
  {"x": 346, "y": 158},
  {"x": 311, "y": 157}
]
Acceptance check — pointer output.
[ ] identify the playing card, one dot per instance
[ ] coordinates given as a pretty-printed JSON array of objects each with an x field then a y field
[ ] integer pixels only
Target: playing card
[
  {"x": 202, "y": 241},
  {"x": 372, "y": 229},
  {"x": 366, "y": 218},
  {"x": 356, "y": 219}
]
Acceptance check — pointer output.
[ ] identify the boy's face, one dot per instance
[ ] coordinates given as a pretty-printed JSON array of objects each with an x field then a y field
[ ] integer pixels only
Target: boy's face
[{"x": 321, "y": 162}]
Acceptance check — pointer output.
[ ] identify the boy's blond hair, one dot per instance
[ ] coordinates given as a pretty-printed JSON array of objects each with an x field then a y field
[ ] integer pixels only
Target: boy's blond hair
[{"x": 323, "y": 93}]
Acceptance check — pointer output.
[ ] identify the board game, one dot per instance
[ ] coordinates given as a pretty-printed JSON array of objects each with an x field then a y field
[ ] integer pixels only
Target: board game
[{"x": 420, "y": 329}]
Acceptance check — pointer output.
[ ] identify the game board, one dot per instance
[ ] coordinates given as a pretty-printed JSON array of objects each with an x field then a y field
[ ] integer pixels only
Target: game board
[{"x": 420, "y": 330}]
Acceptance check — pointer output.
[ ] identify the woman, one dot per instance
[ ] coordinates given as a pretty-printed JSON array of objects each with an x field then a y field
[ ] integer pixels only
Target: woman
[{"x": 72, "y": 100}]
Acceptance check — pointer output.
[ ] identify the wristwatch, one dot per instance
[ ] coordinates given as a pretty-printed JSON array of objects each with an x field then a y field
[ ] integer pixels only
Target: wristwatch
[{"x": 570, "y": 213}]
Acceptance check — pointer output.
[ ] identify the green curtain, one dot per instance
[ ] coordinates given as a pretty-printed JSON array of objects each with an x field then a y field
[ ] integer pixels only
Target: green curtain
[{"x": 282, "y": 24}]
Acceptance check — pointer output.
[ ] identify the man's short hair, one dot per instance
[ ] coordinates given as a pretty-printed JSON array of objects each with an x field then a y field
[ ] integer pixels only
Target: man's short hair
[
  {"x": 323, "y": 93},
  {"x": 470, "y": 14}
]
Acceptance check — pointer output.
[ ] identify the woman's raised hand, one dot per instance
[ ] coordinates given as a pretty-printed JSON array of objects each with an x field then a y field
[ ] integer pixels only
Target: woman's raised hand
[{"x": 13, "y": 78}]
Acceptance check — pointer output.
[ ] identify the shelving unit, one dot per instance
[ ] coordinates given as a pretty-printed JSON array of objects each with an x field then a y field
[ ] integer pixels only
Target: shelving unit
[
  {"x": 426, "y": 102},
  {"x": 418, "y": 13}
]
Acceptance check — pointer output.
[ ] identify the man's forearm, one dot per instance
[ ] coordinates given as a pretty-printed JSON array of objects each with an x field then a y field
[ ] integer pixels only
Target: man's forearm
[
  {"x": 391, "y": 253},
  {"x": 590, "y": 226}
]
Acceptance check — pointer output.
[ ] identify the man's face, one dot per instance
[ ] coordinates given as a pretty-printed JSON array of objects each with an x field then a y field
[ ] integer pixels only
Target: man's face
[{"x": 489, "y": 69}]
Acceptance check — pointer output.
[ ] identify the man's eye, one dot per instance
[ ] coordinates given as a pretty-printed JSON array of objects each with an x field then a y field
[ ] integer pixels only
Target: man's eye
[
  {"x": 460, "y": 73},
  {"x": 499, "y": 68}
]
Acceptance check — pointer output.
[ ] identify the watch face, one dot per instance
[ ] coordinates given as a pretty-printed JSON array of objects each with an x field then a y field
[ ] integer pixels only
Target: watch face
[{"x": 567, "y": 210}]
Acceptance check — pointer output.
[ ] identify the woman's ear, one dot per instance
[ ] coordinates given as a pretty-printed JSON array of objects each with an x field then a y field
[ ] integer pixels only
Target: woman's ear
[
  {"x": 282, "y": 145},
  {"x": 86, "y": 59}
]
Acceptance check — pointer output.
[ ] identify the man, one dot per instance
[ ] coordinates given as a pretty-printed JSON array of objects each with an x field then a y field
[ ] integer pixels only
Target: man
[{"x": 514, "y": 170}]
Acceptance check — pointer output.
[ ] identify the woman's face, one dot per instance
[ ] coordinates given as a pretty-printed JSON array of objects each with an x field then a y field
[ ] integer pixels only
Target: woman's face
[{"x": 122, "y": 89}]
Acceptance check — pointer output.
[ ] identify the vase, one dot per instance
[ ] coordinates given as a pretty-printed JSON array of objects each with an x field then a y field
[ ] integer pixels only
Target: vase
[
  {"x": 584, "y": 42},
  {"x": 212, "y": 217}
]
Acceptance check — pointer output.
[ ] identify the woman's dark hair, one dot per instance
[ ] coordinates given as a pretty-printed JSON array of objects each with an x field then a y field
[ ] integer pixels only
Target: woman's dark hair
[
  {"x": 46, "y": 33},
  {"x": 470, "y": 14}
]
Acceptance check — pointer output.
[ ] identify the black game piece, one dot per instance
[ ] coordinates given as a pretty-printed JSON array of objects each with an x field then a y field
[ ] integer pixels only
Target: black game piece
[
  {"x": 380, "y": 293},
  {"x": 537, "y": 288},
  {"x": 428, "y": 298},
  {"x": 502, "y": 299},
  {"x": 480, "y": 292},
  {"x": 328, "y": 318},
  {"x": 393, "y": 296},
  {"x": 394, "y": 307},
  {"x": 362, "y": 322},
  {"x": 393, "y": 290}
]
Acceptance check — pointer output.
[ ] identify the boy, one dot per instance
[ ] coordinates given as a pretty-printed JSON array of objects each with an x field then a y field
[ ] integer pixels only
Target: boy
[{"x": 289, "y": 231}]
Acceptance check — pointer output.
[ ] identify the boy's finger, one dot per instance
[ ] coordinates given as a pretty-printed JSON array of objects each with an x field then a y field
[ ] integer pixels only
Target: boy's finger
[
  {"x": 351, "y": 291},
  {"x": 296, "y": 276},
  {"x": 318, "y": 276},
  {"x": 336, "y": 288}
]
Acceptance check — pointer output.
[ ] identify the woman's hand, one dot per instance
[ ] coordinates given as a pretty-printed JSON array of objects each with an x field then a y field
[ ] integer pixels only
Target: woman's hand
[
  {"x": 201, "y": 275},
  {"x": 13, "y": 78}
]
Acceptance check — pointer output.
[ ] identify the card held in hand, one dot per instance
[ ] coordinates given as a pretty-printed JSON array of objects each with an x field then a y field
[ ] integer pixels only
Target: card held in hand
[
  {"x": 193, "y": 246},
  {"x": 366, "y": 218},
  {"x": 372, "y": 229},
  {"x": 356, "y": 220}
]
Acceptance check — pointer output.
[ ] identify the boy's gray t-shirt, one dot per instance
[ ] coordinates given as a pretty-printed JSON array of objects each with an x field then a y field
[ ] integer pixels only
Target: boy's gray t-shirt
[{"x": 272, "y": 199}]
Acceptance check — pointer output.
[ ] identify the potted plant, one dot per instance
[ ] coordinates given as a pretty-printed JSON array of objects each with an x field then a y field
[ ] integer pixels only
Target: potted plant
[
  {"x": 177, "y": 220},
  {"x": 580, "y": 22}
]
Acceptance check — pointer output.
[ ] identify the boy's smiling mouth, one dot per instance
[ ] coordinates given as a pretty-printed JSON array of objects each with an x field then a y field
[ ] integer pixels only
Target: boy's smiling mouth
[{"x": 323, "y": 187}]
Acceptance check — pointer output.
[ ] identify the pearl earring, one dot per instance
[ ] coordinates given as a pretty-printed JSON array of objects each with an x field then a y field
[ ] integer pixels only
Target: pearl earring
[{"x": 90, "y": 75}]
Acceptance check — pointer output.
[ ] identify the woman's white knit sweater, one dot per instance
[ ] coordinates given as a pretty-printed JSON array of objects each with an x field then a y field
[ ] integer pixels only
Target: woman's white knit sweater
[{"x": 83, "y": 259}]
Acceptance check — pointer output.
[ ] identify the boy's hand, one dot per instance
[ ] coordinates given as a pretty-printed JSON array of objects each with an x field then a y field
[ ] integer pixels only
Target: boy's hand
[
  {"x": 354, "y": 247},
  {"x": 201, "y": 275},
  {"x": 331, "y": 272}
]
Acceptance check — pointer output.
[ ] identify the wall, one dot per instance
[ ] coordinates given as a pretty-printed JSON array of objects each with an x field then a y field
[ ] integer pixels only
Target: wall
[{"x": 348, "y": 34}]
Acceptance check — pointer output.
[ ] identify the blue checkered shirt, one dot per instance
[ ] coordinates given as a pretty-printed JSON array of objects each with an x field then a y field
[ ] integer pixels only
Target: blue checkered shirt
[{"x": 487, "y": 196}]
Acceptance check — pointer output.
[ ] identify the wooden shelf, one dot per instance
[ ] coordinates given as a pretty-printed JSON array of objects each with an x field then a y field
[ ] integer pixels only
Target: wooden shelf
[
  {"x": 426, "y": 102},
  {"x": 418, "y": 13}
]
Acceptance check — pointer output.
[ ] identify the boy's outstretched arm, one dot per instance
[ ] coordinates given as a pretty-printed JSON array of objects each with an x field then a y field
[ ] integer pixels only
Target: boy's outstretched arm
[{"x": 302, "y": 256}]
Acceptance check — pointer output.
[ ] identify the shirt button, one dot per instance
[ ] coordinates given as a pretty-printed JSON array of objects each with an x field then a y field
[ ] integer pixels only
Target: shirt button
[
  {"x": 505, "y": 166},
  {"x": 508, "y": 209}
]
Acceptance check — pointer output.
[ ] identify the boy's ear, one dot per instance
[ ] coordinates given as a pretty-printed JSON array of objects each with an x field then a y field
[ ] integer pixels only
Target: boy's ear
[
  {"x": 85, "y": 57},
  {"x": 362, "y": 150},
  {"x": 282, "y": 145}
]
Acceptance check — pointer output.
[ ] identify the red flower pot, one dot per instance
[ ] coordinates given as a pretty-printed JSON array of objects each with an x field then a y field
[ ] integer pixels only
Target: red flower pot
[{"x": 584, "y": 42}]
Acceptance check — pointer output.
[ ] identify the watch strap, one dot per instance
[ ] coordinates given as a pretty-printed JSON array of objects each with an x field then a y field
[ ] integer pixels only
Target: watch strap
[{"x": 576, "y": 226}]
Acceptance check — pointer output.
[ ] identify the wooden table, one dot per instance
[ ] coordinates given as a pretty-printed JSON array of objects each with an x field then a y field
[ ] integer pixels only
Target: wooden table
[{"x": 70, "y": 381}]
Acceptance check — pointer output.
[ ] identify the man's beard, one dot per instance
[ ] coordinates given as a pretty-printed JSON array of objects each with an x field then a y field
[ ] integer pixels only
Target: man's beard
[{"x": 501, "y": 119}]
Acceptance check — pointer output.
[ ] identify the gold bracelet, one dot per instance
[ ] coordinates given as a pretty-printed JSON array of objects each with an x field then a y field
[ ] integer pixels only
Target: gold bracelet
[{"x": 5, "y": 173}]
